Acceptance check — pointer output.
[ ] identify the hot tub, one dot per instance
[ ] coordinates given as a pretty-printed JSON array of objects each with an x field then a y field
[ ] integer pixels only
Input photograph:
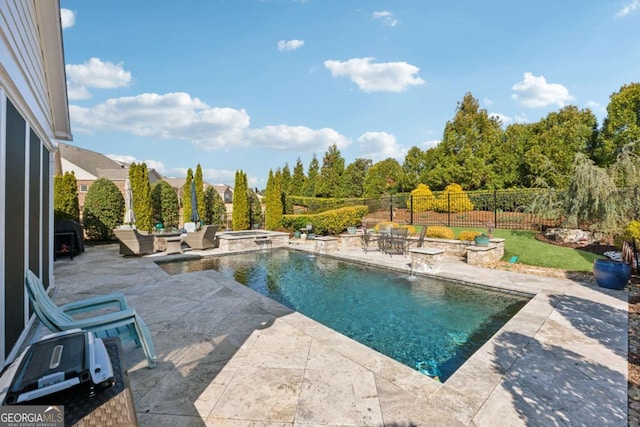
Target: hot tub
[{"x": 233, "y": 241}]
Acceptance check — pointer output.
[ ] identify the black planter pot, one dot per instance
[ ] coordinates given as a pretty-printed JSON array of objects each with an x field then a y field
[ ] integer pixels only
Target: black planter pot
[{"x": 611, "y": 274}]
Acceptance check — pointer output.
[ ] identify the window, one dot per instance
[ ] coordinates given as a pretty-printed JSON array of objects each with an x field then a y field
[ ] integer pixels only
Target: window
[{"x": 83, "y": 188}]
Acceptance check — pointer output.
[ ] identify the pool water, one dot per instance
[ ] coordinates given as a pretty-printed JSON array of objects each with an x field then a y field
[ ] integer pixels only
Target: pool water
[{"x": 428, "y": 324}]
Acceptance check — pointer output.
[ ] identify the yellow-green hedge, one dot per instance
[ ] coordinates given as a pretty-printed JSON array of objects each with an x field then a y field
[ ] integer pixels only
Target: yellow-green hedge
[
  {"x": 458, "y": 202},
  {"x": 469, "y": 235},
  {"x": 439, "y": 232},
  {"x": 334, "y": 221},
  {"x": 422, "y": 199},
  {"x": 633, "y": 230}
]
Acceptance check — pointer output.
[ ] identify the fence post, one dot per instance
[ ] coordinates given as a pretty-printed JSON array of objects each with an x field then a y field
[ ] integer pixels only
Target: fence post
[
  {"x": 448, "y": 209},
  {"x": 391, "y": 208},
  {"x": 495, "y": 208},
  {"x": 411, "y": 209}
]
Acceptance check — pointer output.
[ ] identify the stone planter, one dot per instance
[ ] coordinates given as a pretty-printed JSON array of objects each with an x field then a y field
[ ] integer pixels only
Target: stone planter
[{"x": 611, "y": 274}]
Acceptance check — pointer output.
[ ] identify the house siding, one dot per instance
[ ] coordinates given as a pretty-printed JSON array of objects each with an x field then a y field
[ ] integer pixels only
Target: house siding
[{"x": 33, "y": 112}]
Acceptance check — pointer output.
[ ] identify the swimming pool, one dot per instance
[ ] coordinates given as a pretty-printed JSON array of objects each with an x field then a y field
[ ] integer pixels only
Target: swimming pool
[{"x": 428, "y": 324}]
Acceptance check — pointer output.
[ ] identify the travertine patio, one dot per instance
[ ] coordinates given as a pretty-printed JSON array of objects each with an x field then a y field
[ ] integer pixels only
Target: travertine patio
[{"x": 231, "y": 357}]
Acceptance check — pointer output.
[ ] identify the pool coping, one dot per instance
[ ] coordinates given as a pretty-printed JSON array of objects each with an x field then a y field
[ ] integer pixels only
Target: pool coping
[{"x": 502, "y": 382}]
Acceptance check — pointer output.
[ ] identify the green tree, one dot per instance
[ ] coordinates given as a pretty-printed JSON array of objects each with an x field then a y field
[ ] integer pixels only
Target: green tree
[
  {"x": 141, "y": 190},
  {"x": 240, "y": 215},
  {"x": 330, "y": 179},
  {"x": 382, "y": 178},
  {"x": 286, "y": 178},
  {"x": 199, "y": 188},
  {"x": 215, "y": 211},
  {"x": 273, "y": 201},
  {"x": 103, "y": 209},
  {"x": 312, "y": 178},
  {"x": 622, "y": 124},
  {"x": 165, "y": 206},
  {"x": 255, "y": 208},
  {"x": 186, "y": 197},
  {"x": 414, "y": 165},
  {"x": 509, "y": 166},
  {"x": 557, "y": 139},
  {"x": 354, "y": 175},
  {"x": 65, "y": 197},
  {"x": 296, "y": 188},
  {"x": 466, "y": 147}
]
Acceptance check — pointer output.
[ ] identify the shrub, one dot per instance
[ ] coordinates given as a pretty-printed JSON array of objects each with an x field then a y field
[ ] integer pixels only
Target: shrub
[
  {"x": 164, "y": 204},
  {"x": 439, "y": 232},
  {"x": 422, "y": 199},
  {"x": 453, "y": 199},
  {"x": 330, "y": 222},
  {"x": 468, "y": 235},
  {"x": 633, "y": 230},
  {"x": 103, "y": 209}
]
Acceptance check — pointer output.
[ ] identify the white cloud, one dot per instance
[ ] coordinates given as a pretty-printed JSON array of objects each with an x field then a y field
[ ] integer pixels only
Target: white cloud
[
  {"x": 169, "y": 116},
  {"x": 596, "y": 106},
  {"x": 385, "y": 76},
  {"x": 295, "y": 138},
  {"x": 380, "y": 146},
  {"x": 632, "y": 6},
  {"x": 178, "y": 116},
  {"x": 289, "y": 45},
  {"x": 521, "y": 118},
  {"x": 67, "y": 18},
  {"x": 431, "y": 143},
  {"x": 95, "y": 74},
  {"x": 488, "y": 102},
  {"x": 385, "y": 17},
  {"x": 505, "y": 120},
  {"x": 534, "y": 92}
]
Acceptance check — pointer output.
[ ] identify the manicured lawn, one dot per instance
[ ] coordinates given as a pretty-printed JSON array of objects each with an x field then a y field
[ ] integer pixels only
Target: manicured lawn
[{"x": 530, "y": 251}]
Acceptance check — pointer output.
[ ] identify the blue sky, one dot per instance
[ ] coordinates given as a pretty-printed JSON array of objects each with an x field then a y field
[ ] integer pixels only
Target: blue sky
[{"x": 252, "y": 84}]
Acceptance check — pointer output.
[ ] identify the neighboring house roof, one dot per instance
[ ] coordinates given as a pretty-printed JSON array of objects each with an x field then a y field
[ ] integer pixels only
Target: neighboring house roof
[{"x": 94, "y": 163}]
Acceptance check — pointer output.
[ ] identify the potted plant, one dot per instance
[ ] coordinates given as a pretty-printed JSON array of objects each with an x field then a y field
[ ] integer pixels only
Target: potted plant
[
  {"x": 611, "y": 274},
  {"x": 482, "y": 240}
]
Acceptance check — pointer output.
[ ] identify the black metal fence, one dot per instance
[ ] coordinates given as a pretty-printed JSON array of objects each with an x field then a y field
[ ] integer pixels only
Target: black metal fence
[{"x": 508, "y": 209}]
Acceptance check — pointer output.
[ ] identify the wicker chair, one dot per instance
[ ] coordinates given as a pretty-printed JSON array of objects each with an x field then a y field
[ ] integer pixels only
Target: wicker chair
[
  {"x": 203, "y": 238},
  {"x": 132, "y": 242}
]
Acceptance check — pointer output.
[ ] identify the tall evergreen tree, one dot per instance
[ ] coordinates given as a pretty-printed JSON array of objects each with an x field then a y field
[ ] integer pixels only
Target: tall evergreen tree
[
  {"x": 103, "y": 209},
  {"x": 296, "y": 188},
  {"x": 141, "y": 190},
  {"x": 199, "y": 188},
  {"x": 330, "y": 179},
  {"x": 414, "y": 165},
  {"x": 240, "y": 215},
  {"x": 286, "y": 179},
  {"x": 65, "y": 197},
  {"x": 215, "y": 211},
  {"x": 312, "y": 178},
  {"x": 273, "y": 200},
  {"x": 186, "y": 197},
  {"x": 467, "y": 146},
  {"x": 165, "y": 206}
]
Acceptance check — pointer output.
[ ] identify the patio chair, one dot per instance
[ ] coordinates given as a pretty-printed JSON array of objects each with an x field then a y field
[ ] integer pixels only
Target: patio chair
[
  {"x": 132, "y": 242},
  {"x": 203, "y": 238},
  {"x": 367, "y": 239},
  {"x": 420, "y": 240},
  {"x": 397, "y": 241},
  {"x": 124, "y": 322}
]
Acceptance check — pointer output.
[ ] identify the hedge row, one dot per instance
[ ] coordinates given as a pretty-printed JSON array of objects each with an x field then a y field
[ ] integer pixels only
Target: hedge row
[
  {"x": 317, "y": 204},
  {"x": 329, "y": 222}
]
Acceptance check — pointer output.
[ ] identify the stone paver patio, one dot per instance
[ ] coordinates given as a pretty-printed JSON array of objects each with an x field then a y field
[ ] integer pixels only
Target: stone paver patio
[{"x": 231, "y": 357}]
